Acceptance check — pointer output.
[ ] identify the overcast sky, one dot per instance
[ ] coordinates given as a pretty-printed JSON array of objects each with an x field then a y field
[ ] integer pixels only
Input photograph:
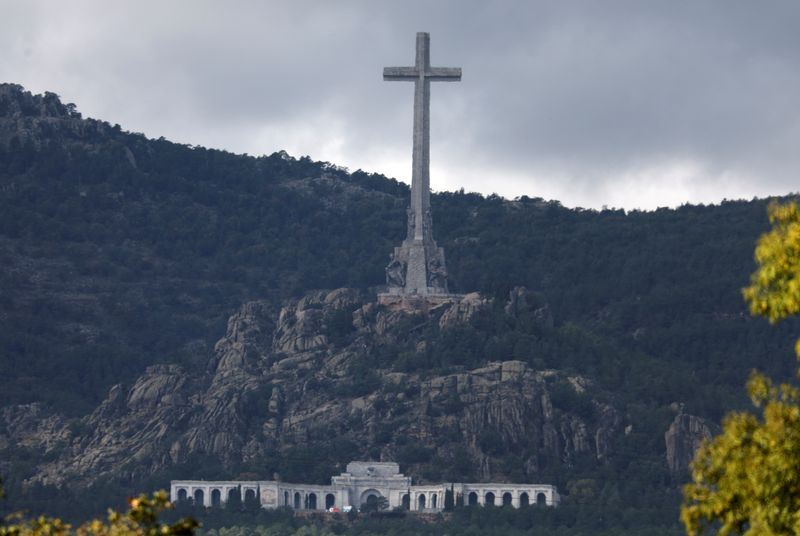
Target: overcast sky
[{"x": 633, "y": 104}]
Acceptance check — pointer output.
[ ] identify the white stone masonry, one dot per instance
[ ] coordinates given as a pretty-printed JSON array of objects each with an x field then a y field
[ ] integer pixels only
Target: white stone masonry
[{"x": 360, "y": 482}]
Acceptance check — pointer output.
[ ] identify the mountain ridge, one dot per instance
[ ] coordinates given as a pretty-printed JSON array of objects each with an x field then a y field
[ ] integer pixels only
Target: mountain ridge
[{"x": 125, "y": 259}]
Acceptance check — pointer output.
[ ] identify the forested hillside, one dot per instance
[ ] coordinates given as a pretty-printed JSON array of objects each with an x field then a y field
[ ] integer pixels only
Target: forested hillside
[{"x": 119, "y": 252}]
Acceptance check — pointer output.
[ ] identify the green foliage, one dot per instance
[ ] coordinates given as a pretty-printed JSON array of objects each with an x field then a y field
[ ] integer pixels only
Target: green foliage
[
  {"x": 775, "y": 287},
  {"x": 747, "y": 479},
  {"x": 339, "y": 325},
  {"x": 564, "y": 395},
  {"x": 568, "y": 520},
  {"x": 234, "y": 502},
  {"x": 449, "y": 502},
  {"x": 413, "y": 453},
  {"x": 142, "y": 519}
]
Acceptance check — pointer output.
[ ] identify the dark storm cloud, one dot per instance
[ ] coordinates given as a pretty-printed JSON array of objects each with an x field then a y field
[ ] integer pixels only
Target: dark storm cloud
[{"x": 618, "y": 103}]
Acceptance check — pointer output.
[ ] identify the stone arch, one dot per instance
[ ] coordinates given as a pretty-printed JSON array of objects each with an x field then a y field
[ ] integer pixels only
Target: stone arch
[
  {"x": 421, "y": 502},
  {"x": 330, "y": 501},
  {"x": 524, "y": 499},
  {"x": 234, "y": 494},
  {"x": 311, "y": 501},
  {"x": 365, "y": 497},
  {"x": 216, "y": 497},
  {"x": 199, "y": 497},
  {"x": 507, "y": 498},
  {"x": 472, "y": 499},
  {"x": 250, "y": 495},
  {"x": 489, "y": 499},
  {"x": 286, "y": 498},
  {"x": 541, "y": 499},
  {"x": 298, "y": 501},
  {"x": 433, "y": 500},
  {"x": 406, "y": 501},
  {"x": 182, "y": 494}
]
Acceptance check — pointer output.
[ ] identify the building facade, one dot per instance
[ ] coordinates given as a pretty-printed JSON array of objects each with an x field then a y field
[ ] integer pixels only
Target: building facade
[{"x": 361, "y": 483}]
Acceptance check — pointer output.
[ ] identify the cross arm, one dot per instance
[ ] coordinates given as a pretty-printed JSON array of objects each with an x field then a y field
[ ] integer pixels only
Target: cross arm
[
  {"x": 444, "y": 74},
  {"x": 400, "y": 73}
]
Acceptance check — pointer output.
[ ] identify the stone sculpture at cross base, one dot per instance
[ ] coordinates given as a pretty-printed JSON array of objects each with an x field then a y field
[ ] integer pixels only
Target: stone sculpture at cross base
[
  {"x": 417, "y": 267},
  {"x": 417, "y": 272}
]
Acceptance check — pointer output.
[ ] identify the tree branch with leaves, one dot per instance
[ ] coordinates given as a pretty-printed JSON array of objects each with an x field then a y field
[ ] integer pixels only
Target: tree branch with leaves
[
  {"x": 747, "y": 479},
  {"x": 140, "y": 520}
]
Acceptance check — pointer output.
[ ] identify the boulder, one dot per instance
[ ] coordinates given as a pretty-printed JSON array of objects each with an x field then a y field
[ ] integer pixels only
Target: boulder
[{"x": 463, "y": 311}]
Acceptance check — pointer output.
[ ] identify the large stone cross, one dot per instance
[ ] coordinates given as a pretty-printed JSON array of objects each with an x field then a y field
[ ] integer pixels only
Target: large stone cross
[
  {"x": 418, "y": 268},
  {"x": 421, "y": 74}
]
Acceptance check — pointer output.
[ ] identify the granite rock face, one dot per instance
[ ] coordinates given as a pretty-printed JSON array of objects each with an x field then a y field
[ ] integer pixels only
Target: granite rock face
[
  {"x": 276, "y": 381},
  {"x": 33, "y": 118},
  {"x": 683, "y": 438},
  {"x": 463, "y": 311}
]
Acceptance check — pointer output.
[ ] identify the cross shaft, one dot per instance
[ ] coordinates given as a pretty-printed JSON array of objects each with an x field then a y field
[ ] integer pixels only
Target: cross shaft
[{"x": 422, "y": 74}]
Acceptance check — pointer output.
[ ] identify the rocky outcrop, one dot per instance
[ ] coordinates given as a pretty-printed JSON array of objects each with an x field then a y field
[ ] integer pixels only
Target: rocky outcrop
[
  {"x": 683, "y": 438},
  {"x": 31, "y": 426},
  {"x": 248, "y": 331},
  {"x": 276, "y": 382},
  {"x": 526, "y": 303},
  {"x": 463, "y": 311},
  {"x": 16, "y": 103},
  {"x": 300, "y": 323},
  {"x": 510, "y": 403},
  {"x": 608, "y": 424},
  {"x": 33, "y": 118},
  {"x": 161, "y": 385}
]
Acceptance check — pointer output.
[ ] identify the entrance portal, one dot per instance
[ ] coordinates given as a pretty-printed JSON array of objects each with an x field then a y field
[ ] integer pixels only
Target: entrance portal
[{"x": 370, "y": 497}]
